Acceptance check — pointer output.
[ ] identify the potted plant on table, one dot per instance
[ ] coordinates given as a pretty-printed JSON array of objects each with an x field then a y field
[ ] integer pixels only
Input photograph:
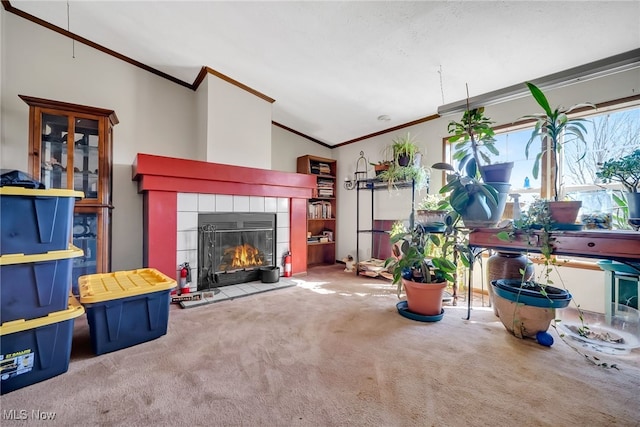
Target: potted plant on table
[
  {"x": 526, "y": 306},
  {"x": 381, "y": 166},
  {"x": 625, "y": 170},
  {"x": 554, "y": 129}
]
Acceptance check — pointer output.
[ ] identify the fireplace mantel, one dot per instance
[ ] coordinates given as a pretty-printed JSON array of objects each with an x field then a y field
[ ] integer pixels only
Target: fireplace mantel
[{"x": 161, "y": 178}]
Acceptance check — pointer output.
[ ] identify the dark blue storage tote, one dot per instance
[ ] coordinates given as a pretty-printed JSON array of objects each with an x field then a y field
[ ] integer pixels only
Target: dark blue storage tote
[
  {"x": 33, "y": 286},
  {"x": 37, "y": 349},
  {"x": 35, "y": 221},
  {"x": 125, "y": 308}
]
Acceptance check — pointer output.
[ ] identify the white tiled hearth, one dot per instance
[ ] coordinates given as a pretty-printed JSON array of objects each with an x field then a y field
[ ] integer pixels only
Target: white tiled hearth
[{"x": 189, "y": 205}]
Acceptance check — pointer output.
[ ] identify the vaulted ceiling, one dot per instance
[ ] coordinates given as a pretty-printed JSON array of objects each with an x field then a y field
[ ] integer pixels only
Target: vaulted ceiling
[{"x": 334, "y": 67}]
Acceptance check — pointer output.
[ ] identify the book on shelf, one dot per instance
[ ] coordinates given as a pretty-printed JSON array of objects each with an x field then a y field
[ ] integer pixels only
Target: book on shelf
[
  {"x": 319, "y": 210},
  {"x": 320, "y": 168}
]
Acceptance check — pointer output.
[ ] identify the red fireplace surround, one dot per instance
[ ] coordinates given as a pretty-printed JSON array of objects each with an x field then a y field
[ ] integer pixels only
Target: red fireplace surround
[{"x": 160, "y": 179}]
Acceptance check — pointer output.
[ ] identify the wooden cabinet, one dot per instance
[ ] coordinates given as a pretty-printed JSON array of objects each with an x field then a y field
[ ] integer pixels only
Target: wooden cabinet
[
  {"x": 70, "y": 147},
  {"x": 321, "y": 210}
]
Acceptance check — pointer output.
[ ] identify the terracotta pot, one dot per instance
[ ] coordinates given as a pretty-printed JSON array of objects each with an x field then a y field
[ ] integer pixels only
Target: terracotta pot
[
  {"x": 424, "y": 298},
  {"x": 565, "y": 211},
  {"x": 380, "y": 168},
  {"x": 507, "y": 265}
]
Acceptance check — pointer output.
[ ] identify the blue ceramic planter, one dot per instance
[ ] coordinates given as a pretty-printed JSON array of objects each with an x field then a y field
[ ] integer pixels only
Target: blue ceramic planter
[{"x": 513, "y": 290}]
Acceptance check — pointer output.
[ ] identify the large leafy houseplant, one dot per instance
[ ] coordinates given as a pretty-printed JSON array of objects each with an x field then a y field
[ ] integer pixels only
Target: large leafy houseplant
[
  {"x": 473, "y": 199},
  {"x": 554, "y": 129},
  {"x": 625, "y": 170}
]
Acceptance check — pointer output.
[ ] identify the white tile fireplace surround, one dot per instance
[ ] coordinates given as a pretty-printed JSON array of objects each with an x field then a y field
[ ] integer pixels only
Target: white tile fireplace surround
[{"x": 191, "y": 204}]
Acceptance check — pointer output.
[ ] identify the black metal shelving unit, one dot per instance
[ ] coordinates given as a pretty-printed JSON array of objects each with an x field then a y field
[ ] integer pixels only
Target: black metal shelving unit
[{"x": 372, "y": 185}]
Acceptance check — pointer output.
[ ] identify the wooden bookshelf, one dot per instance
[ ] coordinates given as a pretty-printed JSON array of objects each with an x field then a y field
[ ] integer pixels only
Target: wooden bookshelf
[{"x": 321, "y": 209}]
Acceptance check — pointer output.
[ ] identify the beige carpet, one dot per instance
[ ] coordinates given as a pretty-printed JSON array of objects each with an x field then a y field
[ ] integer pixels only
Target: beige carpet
[{"x": 333, "y": 351}]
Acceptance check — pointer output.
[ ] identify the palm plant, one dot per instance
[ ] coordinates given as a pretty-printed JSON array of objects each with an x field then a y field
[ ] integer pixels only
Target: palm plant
[{"x": 554, "y": 128}]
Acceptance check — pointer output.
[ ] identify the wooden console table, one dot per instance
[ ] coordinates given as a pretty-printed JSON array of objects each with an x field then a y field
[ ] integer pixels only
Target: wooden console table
[{"x": 617, "y": 245}]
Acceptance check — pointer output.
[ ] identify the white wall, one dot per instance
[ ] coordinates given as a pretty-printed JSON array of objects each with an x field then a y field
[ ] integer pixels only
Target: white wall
[
  {"x": 286, "y": 147},
  {"x": 237, "y": 119}
]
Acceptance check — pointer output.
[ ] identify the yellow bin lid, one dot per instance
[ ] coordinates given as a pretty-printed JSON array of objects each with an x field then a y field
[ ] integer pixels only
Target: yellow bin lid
[
  {"x": 32, "y": 192},
  {"x": 96, "y": 288},
  {"x": 10, "y": 259},
  {"x": 20, "y": 325}
]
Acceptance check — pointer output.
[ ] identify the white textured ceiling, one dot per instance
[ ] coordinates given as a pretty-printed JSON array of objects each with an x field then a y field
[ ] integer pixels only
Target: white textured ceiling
[{"x": 333, "y": 67}]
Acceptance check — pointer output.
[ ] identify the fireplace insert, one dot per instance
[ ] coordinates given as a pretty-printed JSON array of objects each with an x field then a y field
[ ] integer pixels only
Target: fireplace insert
[{"x": 233, "y": 246}]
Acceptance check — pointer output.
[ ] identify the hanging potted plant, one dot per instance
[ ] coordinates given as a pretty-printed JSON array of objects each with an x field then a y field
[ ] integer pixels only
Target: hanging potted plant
[
  {"x": 554, "y": 129},
  {"x": 423, "y": 278},
  {"x": 404, "y": 150},
  {"x": 479, "y": 204},
  {"x": 474, "y": 144},
  {"x": 478, "y": 194},
  {"x": 625, "y": 170}
]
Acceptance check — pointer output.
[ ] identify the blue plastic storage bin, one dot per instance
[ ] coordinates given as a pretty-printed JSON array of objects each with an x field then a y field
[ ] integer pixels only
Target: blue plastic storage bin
[
  {"x": 33, "y": 286},
  {"x": 125, "y": 308},
  {"x": 35, "y": 221},
  {"x": 38, "y": 349}
]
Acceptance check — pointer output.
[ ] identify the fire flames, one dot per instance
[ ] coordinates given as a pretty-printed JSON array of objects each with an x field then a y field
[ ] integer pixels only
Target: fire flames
[{"x": 243, "y": 256}]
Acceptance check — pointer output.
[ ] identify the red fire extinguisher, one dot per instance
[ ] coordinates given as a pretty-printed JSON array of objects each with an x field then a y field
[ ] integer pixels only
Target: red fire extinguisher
[
  {"x": 287, "y": 264},
  {"x": 184, "y": 284}
]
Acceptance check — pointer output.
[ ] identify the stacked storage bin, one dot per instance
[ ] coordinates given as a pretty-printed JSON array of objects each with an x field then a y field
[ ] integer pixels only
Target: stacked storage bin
[
  {"x": 125, "y": 308},
  {"x": 36, "y": 261}
]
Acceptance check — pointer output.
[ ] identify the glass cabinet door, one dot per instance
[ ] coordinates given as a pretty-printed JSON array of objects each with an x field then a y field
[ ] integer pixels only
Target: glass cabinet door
[
  {"x": 85, "y": 237},
  {"x": 53, "y": 153},
  {"x": 70, "y": 147},
  {"x": 86, "y": 157}
]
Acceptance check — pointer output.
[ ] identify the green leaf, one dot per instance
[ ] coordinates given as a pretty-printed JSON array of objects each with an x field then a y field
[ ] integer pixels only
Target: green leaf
[
  {"x": 540, "y": 98},
  {"x": 504, "y": 236}
]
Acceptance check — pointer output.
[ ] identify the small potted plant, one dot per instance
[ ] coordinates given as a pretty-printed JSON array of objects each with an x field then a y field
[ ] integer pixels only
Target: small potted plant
[
  {"x": 423, "y": 278},
  {"x": 626, "y": 171},
  {"x": 554, "y": 129},
  {"x": 381, "y": 166}
]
